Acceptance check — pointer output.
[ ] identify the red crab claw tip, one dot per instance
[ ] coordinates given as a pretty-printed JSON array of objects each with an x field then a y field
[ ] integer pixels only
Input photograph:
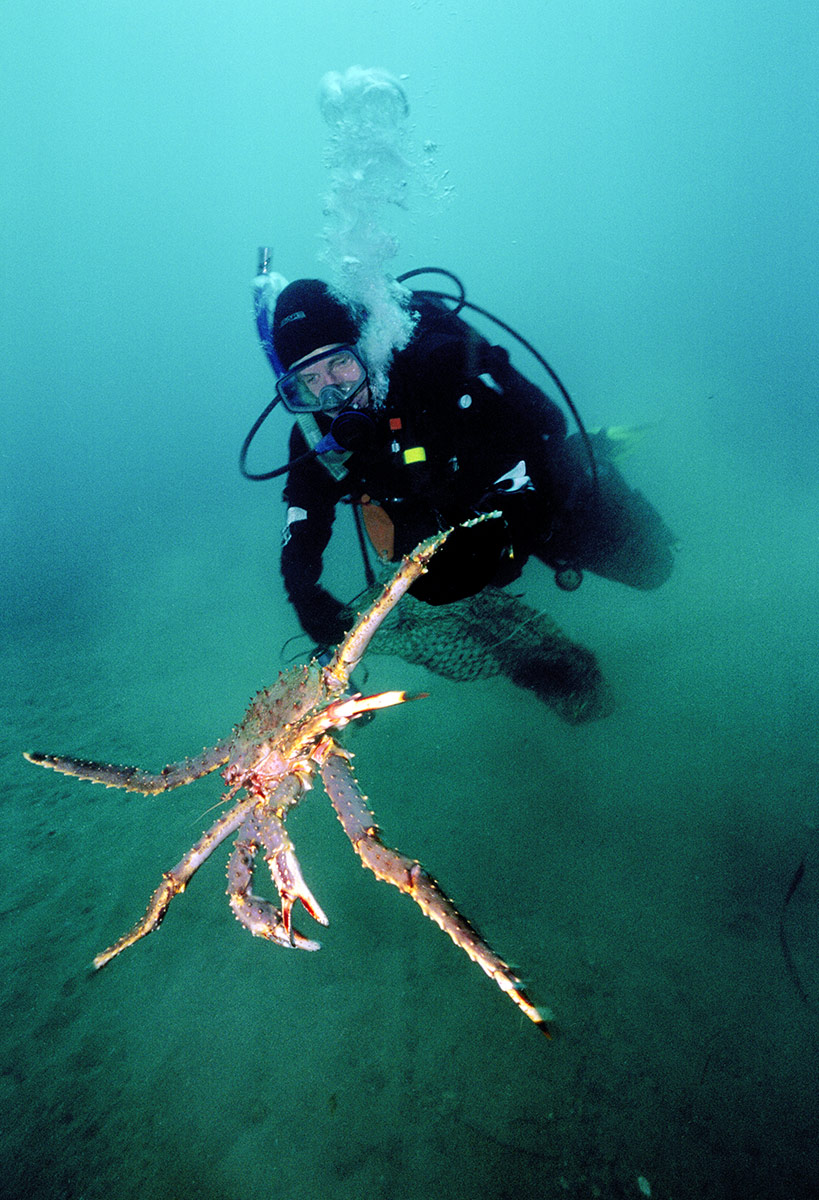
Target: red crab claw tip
[
  {"x": 287, "y": 909},
  {"x": 314, "y": 909}
]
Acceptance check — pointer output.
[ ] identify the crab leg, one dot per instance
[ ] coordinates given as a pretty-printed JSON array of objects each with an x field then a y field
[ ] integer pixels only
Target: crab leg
[
  {"x": 256, "y": 914},
  {"x": 134, "y": 779},
  {"x": 411, "y": 878},
  {"x": 176, "y": 880},
  {"x": 349, "y": 654},
  {"x": 340, "y": 712},
  {"x": 284, "y": 867}
]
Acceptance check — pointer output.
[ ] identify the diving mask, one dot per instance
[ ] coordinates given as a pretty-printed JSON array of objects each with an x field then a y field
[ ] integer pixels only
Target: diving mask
[{"x": 323, "y": 382}]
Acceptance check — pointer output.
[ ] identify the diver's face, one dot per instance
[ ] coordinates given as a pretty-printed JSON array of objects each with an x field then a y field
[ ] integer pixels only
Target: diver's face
[{"x": 339, "y": 371}]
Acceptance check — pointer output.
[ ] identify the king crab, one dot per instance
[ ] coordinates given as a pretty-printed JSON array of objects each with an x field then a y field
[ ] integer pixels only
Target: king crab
[{"x": 268, "y": 762}]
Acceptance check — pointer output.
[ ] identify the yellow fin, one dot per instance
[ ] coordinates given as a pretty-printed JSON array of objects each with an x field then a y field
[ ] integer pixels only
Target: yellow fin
[{"x": 617, "y": 442}]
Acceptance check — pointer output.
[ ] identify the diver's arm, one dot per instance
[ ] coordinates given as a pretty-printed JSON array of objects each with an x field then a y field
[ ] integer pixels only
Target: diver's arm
[
  {"x": 310, "y": 495},
  {"x": 320, "y": 614}
]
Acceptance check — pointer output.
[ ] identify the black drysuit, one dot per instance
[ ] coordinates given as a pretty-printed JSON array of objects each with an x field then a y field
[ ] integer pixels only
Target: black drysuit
[{"x": 462, "y": 432}]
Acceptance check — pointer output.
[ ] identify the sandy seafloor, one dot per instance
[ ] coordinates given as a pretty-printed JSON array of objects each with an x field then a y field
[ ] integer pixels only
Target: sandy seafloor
[
  {"x": 635, "y": 190},
  {"x": 634, "y": 869}
]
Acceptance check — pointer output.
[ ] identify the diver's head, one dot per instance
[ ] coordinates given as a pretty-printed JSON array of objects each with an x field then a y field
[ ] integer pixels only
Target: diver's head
[
  {"x": 308, "y": 316},
  {"x": 314, "y": 336}
]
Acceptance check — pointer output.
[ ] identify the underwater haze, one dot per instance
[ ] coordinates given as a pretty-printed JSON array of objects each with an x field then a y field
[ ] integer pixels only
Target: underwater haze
[{"x": 633, "y": 186}]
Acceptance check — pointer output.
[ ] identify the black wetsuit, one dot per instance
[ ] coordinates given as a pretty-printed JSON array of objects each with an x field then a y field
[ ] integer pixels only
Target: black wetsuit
[{"x": 461, "y": 431}]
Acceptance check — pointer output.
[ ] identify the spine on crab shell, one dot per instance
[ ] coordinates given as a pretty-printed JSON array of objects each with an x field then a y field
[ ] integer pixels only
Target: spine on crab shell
[{"x": 134, "y": 779}]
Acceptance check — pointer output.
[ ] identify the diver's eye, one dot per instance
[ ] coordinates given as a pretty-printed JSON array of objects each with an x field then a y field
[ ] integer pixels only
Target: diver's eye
[{"x": 311, "y": 380}]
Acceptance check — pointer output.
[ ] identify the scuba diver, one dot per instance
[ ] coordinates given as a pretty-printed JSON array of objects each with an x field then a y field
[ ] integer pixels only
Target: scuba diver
[{"x": 459, "y": 432}]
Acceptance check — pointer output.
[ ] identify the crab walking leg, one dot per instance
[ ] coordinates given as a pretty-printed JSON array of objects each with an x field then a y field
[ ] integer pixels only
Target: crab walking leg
[
  {"x": 135, "y": 779},
  {"x": 256, "y": 914},
  {"x": 176, "y": 880},
  {"x": 349, "y": 654},
  {"x": 411, "y": 878}
]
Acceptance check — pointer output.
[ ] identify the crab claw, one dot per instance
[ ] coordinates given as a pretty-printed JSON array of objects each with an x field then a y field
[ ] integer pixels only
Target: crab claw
[
  {"x": 263, "y": 920},
  {"x": 284, "y": 867},
  {"x": 340, "y": 712},
  {"x": 286, "y": 872},
  {"x": 255, "y": 913}
]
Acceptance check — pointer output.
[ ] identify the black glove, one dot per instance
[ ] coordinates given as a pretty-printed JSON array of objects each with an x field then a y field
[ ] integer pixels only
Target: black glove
[
  {"x": 470, "y": 559},
  {"x": 321, "y": 616}
]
